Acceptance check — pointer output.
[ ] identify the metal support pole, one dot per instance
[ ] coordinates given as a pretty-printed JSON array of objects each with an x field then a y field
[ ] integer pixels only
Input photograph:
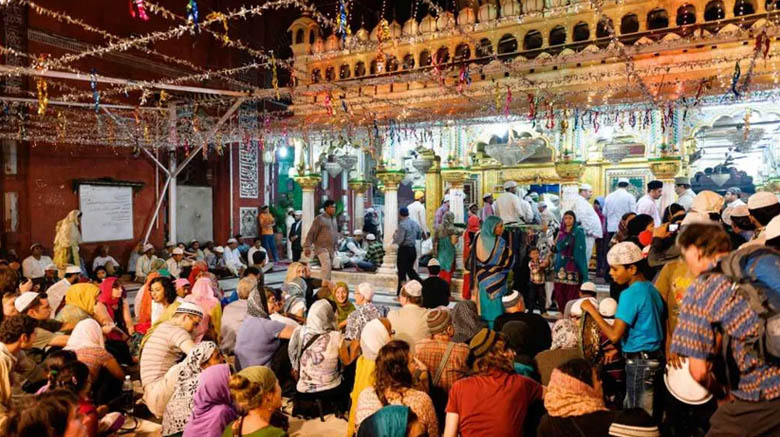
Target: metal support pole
[
  {"x": 156, "y": 210},
  {"x": 133, "y": 138},
  {"x": 172, "y": 171}
]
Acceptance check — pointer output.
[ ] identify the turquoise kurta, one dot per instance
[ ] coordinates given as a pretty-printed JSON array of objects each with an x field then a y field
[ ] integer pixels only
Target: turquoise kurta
[{"x": 445, "y": 253}]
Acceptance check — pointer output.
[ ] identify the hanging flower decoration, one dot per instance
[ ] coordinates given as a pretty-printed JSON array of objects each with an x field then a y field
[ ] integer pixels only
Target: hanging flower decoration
[
  {"x": 508, "y": 101},
  {"x": 342, "y": 21},
  {"x": 192, "y": 17},
  {"x": 219, "y": 16},
  {"x": 274, "y": 76}
]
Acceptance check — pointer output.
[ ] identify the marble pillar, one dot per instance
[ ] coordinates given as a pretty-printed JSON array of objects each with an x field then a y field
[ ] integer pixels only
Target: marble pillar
[
  {"x": 665, "y": 169},
  {"x": 390, "y": 180},
  {"x": 308, "y": 183},
  {"x": 456, "y": 179},
  {"x": 359, "y": 188}
]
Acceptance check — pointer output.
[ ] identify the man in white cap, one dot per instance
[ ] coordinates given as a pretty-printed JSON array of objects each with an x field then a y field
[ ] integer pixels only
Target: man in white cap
[
  {"x": 763, "y": 207},
  {"x": 103, "y": 259},
  {"x": 250, "y": 255},
  {"x": 36, "y": 305},
  {"x": 487, "y": 207},
  {"x": 511, "y": 208},
  {"x": 56, "y": 293},
  {"x": 374, "y": 255},
  {"x": 294, "y": 236},
  {"x": 34, "y": 266},
  {"x": 638, "y": 326},
  {"x": 685, "y": 195},
  {"x": 514, "y": 311},
  {"x": 435, "y": 291},
  {"x": 232, "y": 258},
  {"x": 144, "y": 264},
  {"x": 773, "y": 233},
  {"x": 162, "y": 352},
  {"x": 647, "y": 203},
  {"x": 173, "y": 264},
  {"x": 586, "y": 215},
  {"x": 168, "y": 250},
  {"x": 366, "y": 311},
  {"x": 616, "y": 205},
  {"x": 49, "y": 277},
  {"x": 409, "y": 322},
  {"x": 443, "y": 209},
  {"x": 218, "y": 262}
]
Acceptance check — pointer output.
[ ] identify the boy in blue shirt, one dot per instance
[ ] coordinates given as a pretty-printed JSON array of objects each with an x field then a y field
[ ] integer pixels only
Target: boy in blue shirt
[{"x": 638, "y": 326}]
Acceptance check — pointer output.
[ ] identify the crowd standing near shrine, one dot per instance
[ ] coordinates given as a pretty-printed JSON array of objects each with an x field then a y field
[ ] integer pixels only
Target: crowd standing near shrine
[{"x": 508, "y": 354}]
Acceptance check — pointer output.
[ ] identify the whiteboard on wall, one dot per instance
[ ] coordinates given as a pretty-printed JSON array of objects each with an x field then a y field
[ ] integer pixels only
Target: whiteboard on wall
[{"x": 107, "y": 213}]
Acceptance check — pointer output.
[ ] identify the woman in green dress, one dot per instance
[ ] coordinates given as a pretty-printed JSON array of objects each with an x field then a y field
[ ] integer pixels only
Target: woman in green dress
[
  {"x": 445, "y": 237},
  {"x": 257, "y": 394},
  {"x": 490, "y": 264}
]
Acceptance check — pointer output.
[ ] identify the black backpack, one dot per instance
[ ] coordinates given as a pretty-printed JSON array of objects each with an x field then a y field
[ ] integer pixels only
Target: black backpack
[{"x": 763, "y": 298}]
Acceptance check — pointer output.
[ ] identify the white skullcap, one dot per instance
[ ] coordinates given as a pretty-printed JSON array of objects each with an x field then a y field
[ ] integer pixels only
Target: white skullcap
[
  {"x": 486, "y": 195},
  {"x": 761, "y": 199},
  {"x": 773, "y": 228},
  {"x": 370, "y": 237},
  {"x": 232, "y": 240},
  {"x": 357, "y": 232},
  {"x": 586, "y": 187},
  {"x": 413, "y": 288},
  {"x": 170, "y": 243},
  {"x": 624, "y": 253},
  {"x": 608, "y": 307},
  {"x": 707, "y": 201},
  {"x": 433, "y": 262},
  {"x": 446, "y": 198},
  {"x": 219, "y": 249},
  {"x": 368, "y": 210},
  {"x": 148, "y": 247},
  {"x": 23, "y": 301},
  {"x": 34, "y": 245},
  {"x": 298, "y": 212},
  {"x": 51, "y": 267},
  {"x": 509, "y": 184},
  {"x": 178, "y": 251},
  {"x": 588, "y": 286},
  {"x": 365, "y": 290},
  {"x": 576, "y": 308},
  {"x": 511, "y": 299},
  {"x": 623, "y": 181},
  {"x": 72, "y": 269},
  {"x": 189, "y": 308}
]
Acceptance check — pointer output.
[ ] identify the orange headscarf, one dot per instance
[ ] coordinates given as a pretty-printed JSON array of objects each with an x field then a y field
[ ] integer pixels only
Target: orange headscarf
[{"x": 145, "y": 312}]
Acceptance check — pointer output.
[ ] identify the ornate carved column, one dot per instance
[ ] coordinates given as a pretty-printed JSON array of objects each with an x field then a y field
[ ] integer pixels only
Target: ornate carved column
[
  {"x": 359, "y": 187},
  {"x": 433, "y": 194},
  {"x": 390, "y": 179},
  {"x": 570, "y": 172},
  {"x": 665, "y": 169},
  {"x": 308, "y": 183}
]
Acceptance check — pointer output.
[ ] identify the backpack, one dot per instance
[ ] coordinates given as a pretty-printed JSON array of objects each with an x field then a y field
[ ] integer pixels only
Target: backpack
[{"x": 763, "y": 298}]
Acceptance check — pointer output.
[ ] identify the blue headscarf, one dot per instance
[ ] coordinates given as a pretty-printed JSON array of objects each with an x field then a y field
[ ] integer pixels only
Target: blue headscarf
[
  {"x": 389, "y": 421},
  {"x": 487, "y": 235}
]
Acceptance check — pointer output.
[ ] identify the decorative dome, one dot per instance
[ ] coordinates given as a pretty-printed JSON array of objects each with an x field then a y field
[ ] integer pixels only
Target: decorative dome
[
  {"x": 428, "y": 24},
  {"x": 410, "y": 27},
  {"x": 318, "y": 46},
  {"x": 395, "y": 30},
  {"x": 374, "y": 34},
  {"x": 487, "y": 12},
  {"x": 467, "y": 16},
  {"x": 510, "y": 8},
  {"x": 332, "y": 43},
  {"x": 361, "y": 35},
  {"x": 445, "y": 21}
]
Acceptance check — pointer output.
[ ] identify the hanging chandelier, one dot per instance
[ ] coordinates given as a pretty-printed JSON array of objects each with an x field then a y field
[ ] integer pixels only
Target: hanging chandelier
[
  {"x": 615, "y": 152},
  {"x": 514, "y": 151}
]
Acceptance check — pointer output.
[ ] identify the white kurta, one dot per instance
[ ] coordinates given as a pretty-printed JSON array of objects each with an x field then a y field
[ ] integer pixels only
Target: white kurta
[
  {"x": 646, "y": 205},
  {"x": 686, "y": 199},
  {"x": 616, "y": 205},
  {"x": 588, "y": 218},
  {"x": 417, "y": 213},
  {"x": 512, "y": 208},
  {"x": 35, "y": 268},
  {"x": 56, "y": 293}
]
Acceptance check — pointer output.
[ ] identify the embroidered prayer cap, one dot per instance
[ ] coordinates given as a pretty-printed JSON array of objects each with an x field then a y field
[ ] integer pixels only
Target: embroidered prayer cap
[
  {"x": 509, "y": 184},
  {"x": 707, "y": 201},
  {"x": 24, "y": 300},
  {"x": 357, "y": 232},
  {"x": 634, "y": 423},
  {"x": 608, "y": 307},
  {"x": 178, "y": 251},
  {"x": 148, "y": 247},
  {"x": 219, "y": 249},
  {"x": 588, "y": 286},
  {"x": 433, "y": 263},
  {"x": 773, "y": 228},
  {"x": 232, "y": 240},
  {"x": 511, "y": 299},
  {"x": 413, "y": 288},
  {"x": 190, "y": 308},
  {"x": 370, "y": 237},
  {"x": 624, "y": 253},
  {"x": 72, "y": 269},
  {"x": 364, "y": 289}
]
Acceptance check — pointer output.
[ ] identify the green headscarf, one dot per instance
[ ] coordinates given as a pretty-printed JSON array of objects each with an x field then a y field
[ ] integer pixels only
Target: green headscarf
[
  {"x": 260, "y": 375},
  {"x": 487, "y": 234}
]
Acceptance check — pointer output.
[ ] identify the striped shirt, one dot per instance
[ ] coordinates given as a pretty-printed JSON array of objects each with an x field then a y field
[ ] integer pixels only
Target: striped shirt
[
  {"x": 162, "y": 351},
  {"x": 375, "y": 253},
  {"x": 711, "y": 302}
]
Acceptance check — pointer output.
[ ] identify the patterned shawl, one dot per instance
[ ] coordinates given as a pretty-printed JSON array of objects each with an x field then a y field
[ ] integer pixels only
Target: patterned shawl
[
  {"x": 568, "y": 396},
  {"x": 180, "y": 406}
]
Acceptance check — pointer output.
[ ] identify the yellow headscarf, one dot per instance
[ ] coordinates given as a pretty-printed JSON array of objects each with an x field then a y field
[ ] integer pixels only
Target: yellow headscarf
[{"x": 84, "y": 296}]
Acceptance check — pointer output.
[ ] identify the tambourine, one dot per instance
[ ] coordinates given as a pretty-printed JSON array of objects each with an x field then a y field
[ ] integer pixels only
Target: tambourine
[{"x": 590, "y": 338}]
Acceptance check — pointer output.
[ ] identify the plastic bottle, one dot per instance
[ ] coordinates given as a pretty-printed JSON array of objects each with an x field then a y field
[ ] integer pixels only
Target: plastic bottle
[{"x": 127, "y": 395}]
